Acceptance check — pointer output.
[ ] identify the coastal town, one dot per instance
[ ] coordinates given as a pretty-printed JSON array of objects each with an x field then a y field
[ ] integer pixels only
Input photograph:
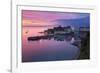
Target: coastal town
[{"x": 62, "y": 33}]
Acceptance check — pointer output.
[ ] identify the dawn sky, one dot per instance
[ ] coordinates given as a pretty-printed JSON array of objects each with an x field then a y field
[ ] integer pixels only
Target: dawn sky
[{"x": 39, "y": 18}]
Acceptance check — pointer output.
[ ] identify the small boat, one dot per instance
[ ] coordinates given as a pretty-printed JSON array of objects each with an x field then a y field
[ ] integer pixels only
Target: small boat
[{"x": 26, "y": 31}]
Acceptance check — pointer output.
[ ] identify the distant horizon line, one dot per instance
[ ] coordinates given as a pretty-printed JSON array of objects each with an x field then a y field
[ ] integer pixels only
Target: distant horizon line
[{"x": 39, "y": 25}]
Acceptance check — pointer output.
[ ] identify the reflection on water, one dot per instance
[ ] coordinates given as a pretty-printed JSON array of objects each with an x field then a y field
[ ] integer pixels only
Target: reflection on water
[{"x": 46, "y": 49}]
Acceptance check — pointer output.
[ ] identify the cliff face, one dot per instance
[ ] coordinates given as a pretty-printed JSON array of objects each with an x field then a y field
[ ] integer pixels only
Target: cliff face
[{"x": 85, "y": 47}]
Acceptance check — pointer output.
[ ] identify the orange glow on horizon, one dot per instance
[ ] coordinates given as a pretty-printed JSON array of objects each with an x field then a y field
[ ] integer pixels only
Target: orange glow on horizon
[
  {"x": 35, "y": 22},
  {"x": 26, "y": 21}
]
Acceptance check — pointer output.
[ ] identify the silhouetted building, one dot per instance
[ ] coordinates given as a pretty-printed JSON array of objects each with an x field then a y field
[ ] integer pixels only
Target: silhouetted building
[{"x": 58, "y": 30}]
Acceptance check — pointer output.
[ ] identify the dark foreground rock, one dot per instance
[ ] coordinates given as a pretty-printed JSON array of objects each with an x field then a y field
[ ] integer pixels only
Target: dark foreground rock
[{"x": 85, "y": 47}]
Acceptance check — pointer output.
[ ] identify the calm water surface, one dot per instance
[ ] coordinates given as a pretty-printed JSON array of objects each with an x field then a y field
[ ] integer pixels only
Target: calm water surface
[{"x": 44, "y": 49}]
